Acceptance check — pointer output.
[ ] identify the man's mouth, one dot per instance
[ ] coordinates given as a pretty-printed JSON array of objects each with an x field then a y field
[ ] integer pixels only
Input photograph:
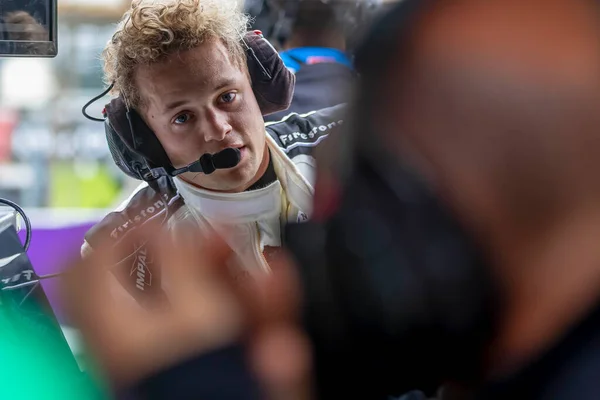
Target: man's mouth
[
  {"x": 233, "y": 146},
  {"x": 243, "y": 151}
]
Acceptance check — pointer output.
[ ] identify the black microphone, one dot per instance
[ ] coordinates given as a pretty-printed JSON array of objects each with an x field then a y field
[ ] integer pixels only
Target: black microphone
[{"x": 209, "y": 163}]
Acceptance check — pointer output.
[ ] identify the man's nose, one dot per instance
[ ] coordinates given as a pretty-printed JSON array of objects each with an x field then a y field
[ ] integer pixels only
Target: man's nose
[{"x": 218, "y": 126}]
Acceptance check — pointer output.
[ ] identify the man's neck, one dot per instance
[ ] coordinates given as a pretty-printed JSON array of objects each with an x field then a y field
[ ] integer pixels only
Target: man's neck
[
  {"x": 551, "y": 285},
  {"x": 268, "y": 177},
  {"x": 262, "y": 169}
]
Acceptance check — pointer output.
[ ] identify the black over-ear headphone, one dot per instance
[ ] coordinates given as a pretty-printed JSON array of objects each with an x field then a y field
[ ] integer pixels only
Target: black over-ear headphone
[
  {"x": 137, "y": 151},
  {"x": 397, "y": 295}
]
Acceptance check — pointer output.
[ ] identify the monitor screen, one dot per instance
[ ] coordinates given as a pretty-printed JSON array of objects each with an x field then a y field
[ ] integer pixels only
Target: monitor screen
[
  {"x": 28, "y": 28},
  {"x": 24, "y": 306}
]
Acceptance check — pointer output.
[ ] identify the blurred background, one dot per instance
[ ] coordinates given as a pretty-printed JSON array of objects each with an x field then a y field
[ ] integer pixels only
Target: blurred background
[
  {"x": 54, "y": 162},
  {"x": 52, "y": 158}
]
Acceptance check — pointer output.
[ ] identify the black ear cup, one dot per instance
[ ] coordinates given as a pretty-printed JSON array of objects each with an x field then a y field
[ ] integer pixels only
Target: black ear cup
[
  {"x": 134, "y": 147},
  {"x": 272, "y": 83},
  {"x": 131, "y": 163}
]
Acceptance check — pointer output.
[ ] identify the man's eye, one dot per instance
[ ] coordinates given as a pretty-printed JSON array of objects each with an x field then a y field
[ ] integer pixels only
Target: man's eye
[
  {"x": 228, "y": 97},
  {"x": 182, "y": 119}
]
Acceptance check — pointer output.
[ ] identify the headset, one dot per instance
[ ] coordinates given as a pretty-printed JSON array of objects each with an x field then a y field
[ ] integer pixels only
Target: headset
[
  {"x": 385, "y": 266},
  {"x": 136, "y": 150}
]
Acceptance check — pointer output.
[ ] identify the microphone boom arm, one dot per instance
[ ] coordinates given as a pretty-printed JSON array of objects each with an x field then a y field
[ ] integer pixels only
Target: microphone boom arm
[{"x": 228, "y": 158}]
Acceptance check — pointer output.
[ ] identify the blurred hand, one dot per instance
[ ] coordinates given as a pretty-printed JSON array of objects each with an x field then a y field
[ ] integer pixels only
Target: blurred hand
[
  {"x": 130, "y": 342},
  {"x": 205, "y": 310}
]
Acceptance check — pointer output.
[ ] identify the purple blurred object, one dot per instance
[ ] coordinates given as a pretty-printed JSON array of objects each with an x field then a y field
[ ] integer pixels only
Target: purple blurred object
[{"x": 50, "y": 251}]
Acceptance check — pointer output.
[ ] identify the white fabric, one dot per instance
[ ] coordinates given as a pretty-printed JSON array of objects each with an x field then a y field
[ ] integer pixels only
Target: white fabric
[{"x": 251, "y": 220}]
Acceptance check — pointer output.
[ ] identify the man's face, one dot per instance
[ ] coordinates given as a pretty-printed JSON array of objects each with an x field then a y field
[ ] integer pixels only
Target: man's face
[{"x": 199, "y": 102}]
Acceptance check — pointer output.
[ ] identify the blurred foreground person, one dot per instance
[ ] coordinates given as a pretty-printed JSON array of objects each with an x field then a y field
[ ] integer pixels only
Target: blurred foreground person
[
  {"x": 502, "y": 114},
  {"x": 459, "y": 227},
  {"x": 455, "y": 233}
]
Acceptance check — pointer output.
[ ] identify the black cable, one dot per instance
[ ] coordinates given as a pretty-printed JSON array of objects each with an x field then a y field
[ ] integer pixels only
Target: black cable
[
  {"x": 50, "y": 276},
  {"x": 38, "y": 279},
  {"x": 85, "y": 114},
  {"x": 25, "y": 218}
]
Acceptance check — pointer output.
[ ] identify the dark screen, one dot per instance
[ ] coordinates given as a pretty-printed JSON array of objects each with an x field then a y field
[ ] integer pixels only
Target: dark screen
[
  {"x": 23, "y": 303},
  {"x": 26, "y": 20}
]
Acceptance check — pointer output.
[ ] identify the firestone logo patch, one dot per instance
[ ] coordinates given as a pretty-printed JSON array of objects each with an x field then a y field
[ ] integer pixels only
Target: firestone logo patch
[
  {"x": 311, "y": 138},
  {"x": 143, "y": 215},
  {"x": 139, "y": 269}
]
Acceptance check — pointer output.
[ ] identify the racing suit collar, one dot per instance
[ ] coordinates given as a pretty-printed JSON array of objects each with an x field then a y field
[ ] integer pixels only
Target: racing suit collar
[{"x": 251, "y": 205}]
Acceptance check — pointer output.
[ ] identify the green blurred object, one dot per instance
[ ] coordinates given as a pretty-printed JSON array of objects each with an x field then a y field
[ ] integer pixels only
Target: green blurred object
[
  {"x": 82, "y": 185},
  {"x": 34, "y": 361}
]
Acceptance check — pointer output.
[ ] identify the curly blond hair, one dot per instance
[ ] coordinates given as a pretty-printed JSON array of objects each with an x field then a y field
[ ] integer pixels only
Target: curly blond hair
[{"x": 151, "y": 30}]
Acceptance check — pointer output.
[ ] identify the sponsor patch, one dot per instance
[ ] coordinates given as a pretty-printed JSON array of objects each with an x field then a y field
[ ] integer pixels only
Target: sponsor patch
[
  {"x": 139, "y": 268},
  {"x": 310, "y": 138},
  {"x": 302, "y": 217}
]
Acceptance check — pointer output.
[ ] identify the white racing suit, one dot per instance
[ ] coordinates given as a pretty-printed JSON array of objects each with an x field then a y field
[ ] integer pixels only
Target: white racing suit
[{"x": 253, "y": 219}]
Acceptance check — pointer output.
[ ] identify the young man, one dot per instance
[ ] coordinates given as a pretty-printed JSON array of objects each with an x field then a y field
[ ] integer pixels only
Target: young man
[{"x": 181, "y": 65}]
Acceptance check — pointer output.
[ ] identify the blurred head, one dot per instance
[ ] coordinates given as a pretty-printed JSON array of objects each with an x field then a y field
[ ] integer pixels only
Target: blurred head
[
  {"x": 496, "y": 104},
  {"x": 316, "y": 25},
  {"x": 181, "y": 65},
  {"x": 463, "y": 205}
]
